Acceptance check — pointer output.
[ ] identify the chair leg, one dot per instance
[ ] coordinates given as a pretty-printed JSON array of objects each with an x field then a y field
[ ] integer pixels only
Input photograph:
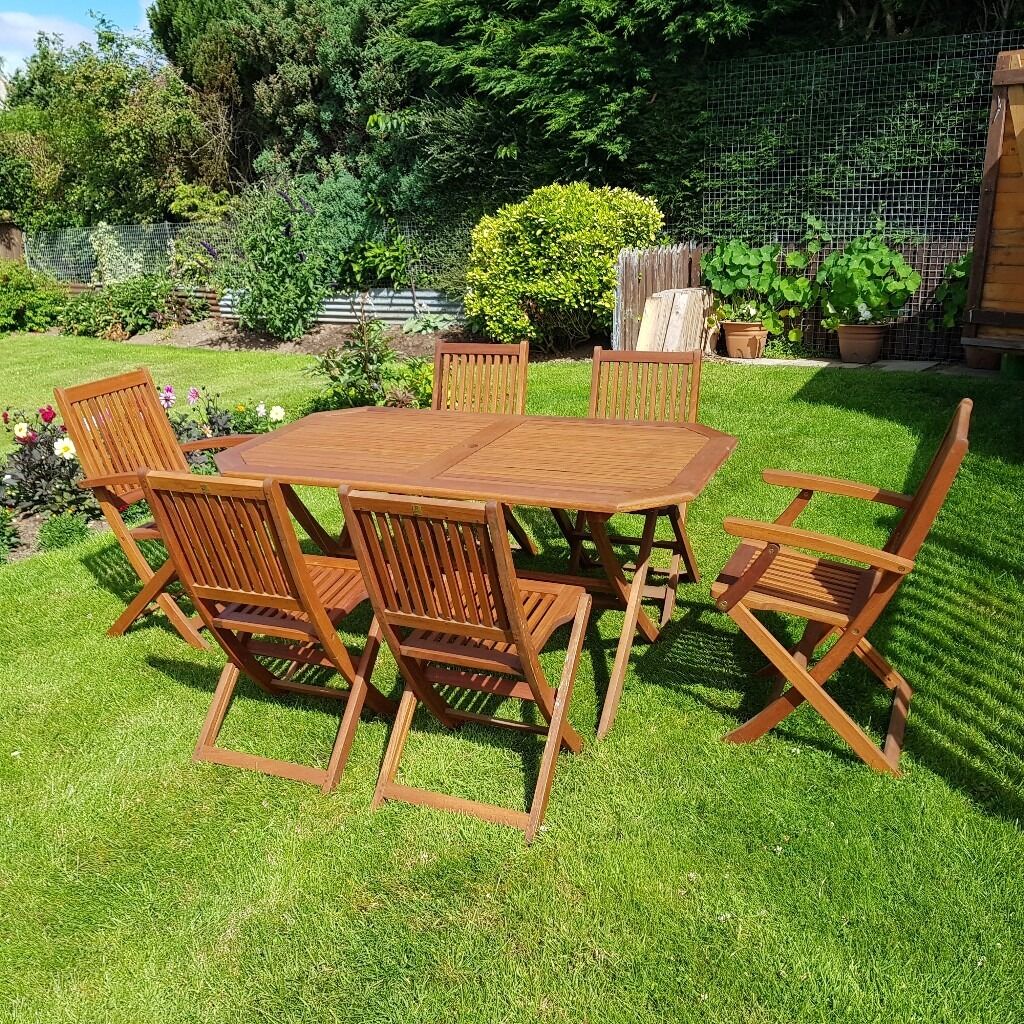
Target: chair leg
[
  {"x": 396, "y": 744},
  {"x": 218, "y": 711},
  {"x": 635, "y": 617},
  {"x": 804, "y": 686},
  {"x": 518, "y": 531},
  {"x": 353, "y": 708},
  {"x": 677, "y": 516},
  {"x": 558, "y": 724},
  {"x": 152, "y": 592}
]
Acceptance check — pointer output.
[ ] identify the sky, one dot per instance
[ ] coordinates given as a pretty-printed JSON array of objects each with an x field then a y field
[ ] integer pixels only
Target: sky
[{"x": 21, "y": 21}]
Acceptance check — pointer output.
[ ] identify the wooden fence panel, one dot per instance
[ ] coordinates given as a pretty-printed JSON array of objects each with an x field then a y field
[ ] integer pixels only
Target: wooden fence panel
[{"x": 642, "y": 272}]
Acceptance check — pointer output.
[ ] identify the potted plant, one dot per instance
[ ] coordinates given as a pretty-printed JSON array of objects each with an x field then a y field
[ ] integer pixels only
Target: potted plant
[
  {"x": 752, "y": 295},
  {"x": 863, "y": 286}
]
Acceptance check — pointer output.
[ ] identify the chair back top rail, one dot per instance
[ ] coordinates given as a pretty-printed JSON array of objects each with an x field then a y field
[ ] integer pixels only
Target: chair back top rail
[
  {"x": 650, "y": 386},
  {"x": 118, "y": 426},
  {"x": 480, "y": 377}
]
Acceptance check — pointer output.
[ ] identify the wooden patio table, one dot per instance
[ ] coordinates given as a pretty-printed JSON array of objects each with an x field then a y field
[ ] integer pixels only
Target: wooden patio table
[{"x": 599, "y": 467}]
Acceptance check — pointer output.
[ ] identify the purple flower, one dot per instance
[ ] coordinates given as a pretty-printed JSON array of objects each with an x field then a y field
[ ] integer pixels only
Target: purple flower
[
  {"x": 193, "y": 396},
  {"x": 210, "y": 249},
  {"x": 167, "y": 396},
  {"x": 287, "y": 198},
  {"x": 307, "y": 207}
]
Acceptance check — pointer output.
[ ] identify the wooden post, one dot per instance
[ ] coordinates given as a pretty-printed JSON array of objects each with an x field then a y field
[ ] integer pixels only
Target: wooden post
[{"x": 12, "y": 242}]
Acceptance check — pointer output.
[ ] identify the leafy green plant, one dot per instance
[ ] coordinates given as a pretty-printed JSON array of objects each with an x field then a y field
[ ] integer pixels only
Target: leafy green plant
[
  {"x": 544, "y": 269},
  {"x": 427, "y": 323},
  {"x": 865, "y": 282},
  {"x": 198, "y": 203},
  {"x": 10, "y": 537},
  {"x": 761, "y": 284},
  {"x": 376, "y": 263},
  {"x": 29, "y": 300},
  {"x": 278, "y": 270},
  {"x": 62, "y": 530},
  {"x": 951, "y": 293},
  {"x": 113, "y": 261},
  {"x": 366, "y": 370},
  {"x": 127, "y": 307}
]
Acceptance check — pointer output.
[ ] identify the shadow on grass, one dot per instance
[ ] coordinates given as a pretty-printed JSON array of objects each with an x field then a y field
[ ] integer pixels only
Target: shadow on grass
[
  {"x": 966, "y": 717},
  {"x": 529, "y": 747}
]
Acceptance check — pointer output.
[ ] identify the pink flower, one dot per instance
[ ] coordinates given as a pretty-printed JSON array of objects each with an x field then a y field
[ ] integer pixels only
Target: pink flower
[
  {"x": 47, "y": 414},
  {"x": 167, "y": 396},
  {"x": 193, "y": 396},
  {"x": 6, "y": 416},
  {"x": 29, "y": 438}
]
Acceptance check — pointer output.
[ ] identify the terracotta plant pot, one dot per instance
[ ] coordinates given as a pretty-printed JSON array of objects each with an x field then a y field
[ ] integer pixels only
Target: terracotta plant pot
[
  {"x": 744, "y": 340},
  {"x": 860, "y": 343}
]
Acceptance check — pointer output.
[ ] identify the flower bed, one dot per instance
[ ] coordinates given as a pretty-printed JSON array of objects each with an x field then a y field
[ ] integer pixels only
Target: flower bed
[{"x": 39, "y": 477}]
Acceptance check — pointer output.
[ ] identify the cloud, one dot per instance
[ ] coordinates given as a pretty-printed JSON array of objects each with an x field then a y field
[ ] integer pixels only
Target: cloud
[{"x": 18, "y": 31}]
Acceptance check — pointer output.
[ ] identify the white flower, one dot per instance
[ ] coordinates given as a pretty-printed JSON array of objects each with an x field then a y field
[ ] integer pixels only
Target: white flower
[
  {"x": 64, "y": 448},
  {"x": 261, "y": 410},
  {"x": 277, "y": 413},
  {"x": 22, "y": 430}
]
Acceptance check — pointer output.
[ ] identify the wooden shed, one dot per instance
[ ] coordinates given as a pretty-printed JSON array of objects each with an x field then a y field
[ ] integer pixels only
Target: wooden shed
[{"x": 994, "y": 314}]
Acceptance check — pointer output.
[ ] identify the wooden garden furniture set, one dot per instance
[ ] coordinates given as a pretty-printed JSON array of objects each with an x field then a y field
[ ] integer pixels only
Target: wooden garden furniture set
[{"x": 428, "y": 499}]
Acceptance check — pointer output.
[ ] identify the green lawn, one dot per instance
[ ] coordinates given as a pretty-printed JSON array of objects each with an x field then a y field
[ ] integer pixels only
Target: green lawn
[{"x": 678, "y": 878}]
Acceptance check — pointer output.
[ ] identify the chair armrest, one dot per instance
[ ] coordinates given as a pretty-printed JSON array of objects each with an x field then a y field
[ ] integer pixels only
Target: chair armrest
[
  {"x": 773, "y": 533},
  {"x": 210, "y": 443},
  {"x": 91, "y": 483},
  {"x": 831, "y": 485}
]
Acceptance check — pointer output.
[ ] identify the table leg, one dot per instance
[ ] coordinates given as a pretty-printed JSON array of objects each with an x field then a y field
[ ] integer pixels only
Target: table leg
[
  {"x": 631, "y": 595},
  {"x": 317, "y": 534}
]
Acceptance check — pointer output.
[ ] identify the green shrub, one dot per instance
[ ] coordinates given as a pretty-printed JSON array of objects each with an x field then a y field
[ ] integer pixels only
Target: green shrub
[
  {"x": 279, "y": 270},
  {"x": 544, "y": 269},
  {"x": 367, "y": 371},
  {"x": 9, "y": 536},
  {"x": 29, "y": 300},
  {"x": 951, "y": 293},
  {"x": 866, "y": 282},
  {"x": 127, "y": 307},
  {"x": 62, "y": 530}
]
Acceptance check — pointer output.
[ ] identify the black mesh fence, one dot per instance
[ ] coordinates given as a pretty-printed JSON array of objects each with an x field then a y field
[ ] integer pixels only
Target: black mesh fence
[{"x": 893, "y": 129}]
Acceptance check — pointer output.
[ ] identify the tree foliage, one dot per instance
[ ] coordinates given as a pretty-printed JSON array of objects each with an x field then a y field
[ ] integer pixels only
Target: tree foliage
[{"x": 101, "y": 132}]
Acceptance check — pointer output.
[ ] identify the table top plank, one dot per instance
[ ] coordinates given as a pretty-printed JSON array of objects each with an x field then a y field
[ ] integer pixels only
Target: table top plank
[{"x": 602, "y": 466}]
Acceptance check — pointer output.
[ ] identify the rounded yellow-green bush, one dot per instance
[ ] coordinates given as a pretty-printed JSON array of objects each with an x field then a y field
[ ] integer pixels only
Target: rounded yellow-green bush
[{"x": 543, "y": 270}]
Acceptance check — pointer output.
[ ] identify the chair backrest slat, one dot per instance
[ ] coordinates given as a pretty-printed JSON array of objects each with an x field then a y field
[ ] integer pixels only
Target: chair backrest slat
[
  {"x": 119, "y": 426},
  {"x": 481, "y": 377},
  {"x": 650, "y": 386},
  {"x": 916, "y": 522},
  {"x": 228, "y": 539},
  {"x": 431, "y": 564}
]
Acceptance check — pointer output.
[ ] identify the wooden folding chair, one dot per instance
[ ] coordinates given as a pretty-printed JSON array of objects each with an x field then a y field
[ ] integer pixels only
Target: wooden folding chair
[
  {"x": 770, "y": 571},
  {"x": 655, "y": 387},
  {"x": 119, "y": 428},
  {"x": 456, "y": 616},
  {"x": 484, "y": 378},
  {"x": 238, "y": 556}
]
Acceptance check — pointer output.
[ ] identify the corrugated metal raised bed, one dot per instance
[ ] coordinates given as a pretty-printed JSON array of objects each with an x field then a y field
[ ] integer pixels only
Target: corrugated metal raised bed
[{"x": 393, "y": 307}]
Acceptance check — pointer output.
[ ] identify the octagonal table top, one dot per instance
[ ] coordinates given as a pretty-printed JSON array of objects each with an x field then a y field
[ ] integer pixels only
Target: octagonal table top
[{"x": 595, "y": 465}]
